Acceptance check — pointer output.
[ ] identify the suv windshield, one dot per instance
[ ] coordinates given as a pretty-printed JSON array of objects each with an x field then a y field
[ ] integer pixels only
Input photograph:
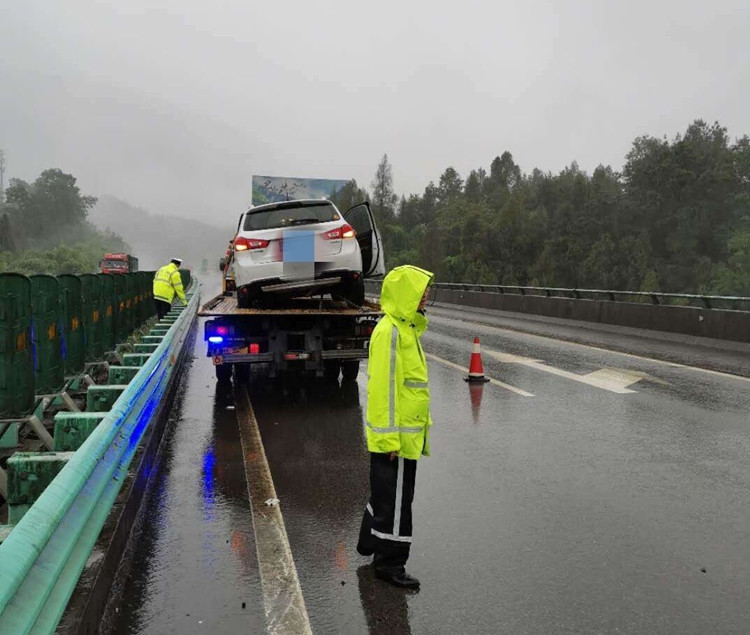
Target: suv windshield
[
  {"x": 291, "y": 214},
  {"x": 115, "y": 264}
]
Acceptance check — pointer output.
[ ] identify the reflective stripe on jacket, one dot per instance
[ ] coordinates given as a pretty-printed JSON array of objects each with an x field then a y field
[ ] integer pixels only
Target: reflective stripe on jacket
[
  {"x": 398, "y": 397},
  {"x": 167, "y": 282}
]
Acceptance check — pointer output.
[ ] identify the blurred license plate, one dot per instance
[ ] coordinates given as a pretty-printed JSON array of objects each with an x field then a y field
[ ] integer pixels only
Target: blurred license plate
[{"x": 243, "y": 350}]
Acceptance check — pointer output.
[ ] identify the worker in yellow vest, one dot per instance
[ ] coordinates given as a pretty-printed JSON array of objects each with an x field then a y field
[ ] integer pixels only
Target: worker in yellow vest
[
  {"x": 167, "y": 284},
  {"x": 398, "y": 422}
]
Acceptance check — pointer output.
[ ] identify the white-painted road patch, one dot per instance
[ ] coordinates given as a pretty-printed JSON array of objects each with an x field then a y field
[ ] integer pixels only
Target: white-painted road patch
[
  {"x": 606, "y": 379},
  {"x": 283, "y": 602}
]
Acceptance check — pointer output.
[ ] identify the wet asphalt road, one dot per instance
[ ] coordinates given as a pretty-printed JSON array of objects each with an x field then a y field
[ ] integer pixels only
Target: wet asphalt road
[{"x": 577, "y": 510}]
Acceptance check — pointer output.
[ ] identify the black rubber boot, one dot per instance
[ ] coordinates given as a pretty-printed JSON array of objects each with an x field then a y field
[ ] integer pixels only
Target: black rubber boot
[{"x": 402, "y": 580}]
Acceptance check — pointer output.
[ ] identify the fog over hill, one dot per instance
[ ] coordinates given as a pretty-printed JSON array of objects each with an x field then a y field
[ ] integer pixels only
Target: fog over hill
[{"x": 156, "y": 238}]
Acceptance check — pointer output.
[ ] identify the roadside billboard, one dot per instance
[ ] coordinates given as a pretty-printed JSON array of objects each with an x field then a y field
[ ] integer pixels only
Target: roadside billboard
[{"x": 272, "y": 189}]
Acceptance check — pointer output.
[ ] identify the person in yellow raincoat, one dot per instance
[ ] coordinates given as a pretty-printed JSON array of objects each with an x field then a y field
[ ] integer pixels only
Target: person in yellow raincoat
[
  {"x": 167, "y": 284},
  {"x": 398, "y": 422}
]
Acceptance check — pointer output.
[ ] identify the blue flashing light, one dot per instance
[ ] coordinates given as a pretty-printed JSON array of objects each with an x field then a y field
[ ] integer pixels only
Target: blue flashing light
[{"x": 216, "y": 339}]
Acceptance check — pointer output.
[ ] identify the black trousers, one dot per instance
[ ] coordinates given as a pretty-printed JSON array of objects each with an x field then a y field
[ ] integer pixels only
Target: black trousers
[
  {"x": 162, "y": 308},
  {"x": 386, "y": 529}
]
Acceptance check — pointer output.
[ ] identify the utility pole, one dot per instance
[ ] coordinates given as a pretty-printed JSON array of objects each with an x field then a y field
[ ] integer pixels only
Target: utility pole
[{"x": 2, "y": 177}]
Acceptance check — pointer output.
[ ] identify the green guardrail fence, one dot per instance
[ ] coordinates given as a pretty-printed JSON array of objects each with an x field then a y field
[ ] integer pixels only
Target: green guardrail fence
[
  {"x": 74, "y": 354},
  {"x": 60, "y": 500},
  {"x": 50, "y": 327},
  {"x": 16, "y": 356}
]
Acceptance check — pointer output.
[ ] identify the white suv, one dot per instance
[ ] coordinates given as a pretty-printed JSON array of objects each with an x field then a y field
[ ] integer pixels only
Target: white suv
[{"x": 305, "y": 247}]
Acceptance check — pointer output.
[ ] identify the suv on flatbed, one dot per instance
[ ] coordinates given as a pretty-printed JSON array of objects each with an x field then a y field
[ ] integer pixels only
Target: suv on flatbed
[{"x": 303, "y": 248}]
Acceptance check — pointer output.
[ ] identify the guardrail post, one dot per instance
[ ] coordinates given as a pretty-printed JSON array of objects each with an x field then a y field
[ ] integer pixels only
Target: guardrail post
[
  {"x": 91, "y": 288},
  {"x": 145, "y": 348},
  {"x": 49, "y": 370},
  {"x": 135, "y": 359},
  {"x": 122, "y": 374},
  {"x": 74, "y": 353},
  {"x": 706, "y": 302},
  {"x": 109, "y": 337},
  {"x": 29, "y": 474},
  {"x": 121, "y": 320},
  {"x": 16, "y": 357},
  {"x": 654, "y": 298},
  {"x": 102, "y": 398},
  {"x": 73, "y": 428}
]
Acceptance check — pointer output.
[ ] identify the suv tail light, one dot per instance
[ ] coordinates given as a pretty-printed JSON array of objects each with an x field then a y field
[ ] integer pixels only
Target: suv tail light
[
  {"x": 243, "y": 244},
  {"x": 345, "y": 231}
]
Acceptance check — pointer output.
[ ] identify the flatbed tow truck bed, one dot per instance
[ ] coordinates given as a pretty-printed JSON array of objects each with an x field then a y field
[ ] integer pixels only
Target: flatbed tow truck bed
[
  {"x": 227, "y": 305},
  {"x": 314, "y": 335}
]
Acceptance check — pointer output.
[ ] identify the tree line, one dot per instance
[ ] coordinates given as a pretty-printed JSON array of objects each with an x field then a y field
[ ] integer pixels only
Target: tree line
[
  {"x": 675, "y": 219},
  {"x": 44, "y": 227}
]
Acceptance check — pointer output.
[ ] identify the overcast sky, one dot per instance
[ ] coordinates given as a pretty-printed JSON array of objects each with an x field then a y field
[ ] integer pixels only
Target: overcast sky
[{"x": 174, "y": 105}]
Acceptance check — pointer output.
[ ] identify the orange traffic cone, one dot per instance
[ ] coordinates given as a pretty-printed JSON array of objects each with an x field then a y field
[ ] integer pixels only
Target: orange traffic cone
[{"x": 476, "y": 369}]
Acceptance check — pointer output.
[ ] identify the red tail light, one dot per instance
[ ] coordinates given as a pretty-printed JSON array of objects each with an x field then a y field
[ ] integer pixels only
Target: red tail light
[
  {"x": 345, "y": 231},
  {"x": 254, "y": 348},
  {"x": 243, "y": 244}
]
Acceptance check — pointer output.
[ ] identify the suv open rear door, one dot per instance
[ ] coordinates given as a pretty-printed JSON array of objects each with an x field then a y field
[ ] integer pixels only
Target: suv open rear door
[{"x": 360, "y": 217}]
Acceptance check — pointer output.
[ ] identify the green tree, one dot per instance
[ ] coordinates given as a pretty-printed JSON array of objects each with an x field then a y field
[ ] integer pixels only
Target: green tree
[{"x": 384, "y": 199}]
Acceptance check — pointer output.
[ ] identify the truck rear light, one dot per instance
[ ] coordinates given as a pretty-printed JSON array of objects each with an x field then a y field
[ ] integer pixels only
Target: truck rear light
[
  {"x": 243, "y": 244},
  {"x": 216, "y": 339},
  {"x": 222, "y": 330},
  {"x": 254, "y": 348},
  {"x": 345, "y": 231}
]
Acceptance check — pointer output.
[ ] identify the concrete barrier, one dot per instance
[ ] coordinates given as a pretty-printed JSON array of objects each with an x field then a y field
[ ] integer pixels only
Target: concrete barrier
[
  {"x": 723, "y": 324},
  {"x": 716, "y": 323}
]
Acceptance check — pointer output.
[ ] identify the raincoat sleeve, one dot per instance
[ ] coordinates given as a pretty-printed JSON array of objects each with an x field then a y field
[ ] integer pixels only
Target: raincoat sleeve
[
  {"x": 382, "y": 430},
  {"x": 176, "y": 280}
]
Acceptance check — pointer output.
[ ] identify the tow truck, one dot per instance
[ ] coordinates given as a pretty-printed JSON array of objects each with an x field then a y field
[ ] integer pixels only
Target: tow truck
[{"x": 318, "y": 335}]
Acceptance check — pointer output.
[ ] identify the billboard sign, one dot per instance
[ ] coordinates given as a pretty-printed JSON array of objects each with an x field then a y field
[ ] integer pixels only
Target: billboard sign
[{"x": 272, "y": 189}]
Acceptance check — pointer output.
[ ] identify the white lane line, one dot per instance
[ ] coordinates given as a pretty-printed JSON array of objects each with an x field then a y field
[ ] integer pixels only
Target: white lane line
[
  {"x": 707, "y": 371},
  {"x": 493, "y": 381},
  {"x": 283, "y": 602},
  {"x": 605, "y": 381}
]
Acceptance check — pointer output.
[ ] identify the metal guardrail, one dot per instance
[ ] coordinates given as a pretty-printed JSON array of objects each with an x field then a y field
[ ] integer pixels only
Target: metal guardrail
[
  {"x": 44, "y": 555},
  {"x": 654, "y": 297}
]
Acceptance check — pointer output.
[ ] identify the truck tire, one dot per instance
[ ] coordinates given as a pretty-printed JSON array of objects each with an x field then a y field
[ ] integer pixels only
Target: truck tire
[
  {"x": 349, "y": 371},
  {"x": 223, "y": 373},
  {"x": 241, "y": 373},
  {"x": 331, "y": 370}
]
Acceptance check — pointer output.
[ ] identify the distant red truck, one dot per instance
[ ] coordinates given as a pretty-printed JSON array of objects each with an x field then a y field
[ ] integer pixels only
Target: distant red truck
[{"x": 118, "y": 263}]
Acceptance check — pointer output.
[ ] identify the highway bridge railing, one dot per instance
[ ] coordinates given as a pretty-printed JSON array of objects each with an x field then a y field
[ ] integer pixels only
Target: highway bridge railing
[
  {"x": 43, "y": 554},
  {"x": 702, "y": 315}
]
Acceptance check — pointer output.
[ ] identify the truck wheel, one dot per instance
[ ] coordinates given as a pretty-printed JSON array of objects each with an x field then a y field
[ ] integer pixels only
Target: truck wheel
[
  {"x": 349, "y": 371},
  {"x": 331, "y": 371},
  {"x": 223, "y": 373},
  {"x": 241, "y": 373}
]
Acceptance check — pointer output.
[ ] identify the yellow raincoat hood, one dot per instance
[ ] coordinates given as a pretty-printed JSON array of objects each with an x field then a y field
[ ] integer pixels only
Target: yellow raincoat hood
[{"x": 402, "y": 292}]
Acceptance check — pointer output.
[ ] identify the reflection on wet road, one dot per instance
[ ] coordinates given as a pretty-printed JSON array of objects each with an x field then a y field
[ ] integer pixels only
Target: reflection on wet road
[
  {"x": 194, "y": 567},
  {"x": 576, "y": 510}
]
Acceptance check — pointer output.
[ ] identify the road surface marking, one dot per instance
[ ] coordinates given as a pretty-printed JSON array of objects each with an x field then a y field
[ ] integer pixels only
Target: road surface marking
[
  {"x": 496, "y": 382},
  {"x": 282, "y": 595},
  {"x": 607, "y": 380},
  {"x": 707, "y": 371}
]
